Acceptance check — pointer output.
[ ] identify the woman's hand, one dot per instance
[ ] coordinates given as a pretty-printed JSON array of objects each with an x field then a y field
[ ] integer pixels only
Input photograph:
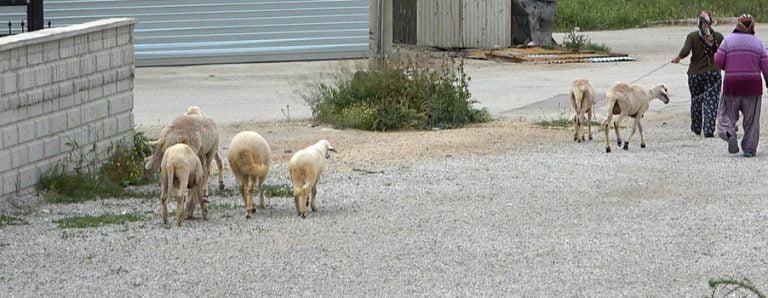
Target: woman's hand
[{"x": 676, "y": 60}]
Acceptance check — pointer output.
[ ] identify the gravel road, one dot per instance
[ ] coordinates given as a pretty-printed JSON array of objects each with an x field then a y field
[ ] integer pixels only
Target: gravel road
[{"x": 545, "y": 220}]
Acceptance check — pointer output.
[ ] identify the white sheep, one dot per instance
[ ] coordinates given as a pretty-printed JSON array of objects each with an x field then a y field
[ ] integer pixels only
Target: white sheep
[
  {"x": 306, "y": 167},
  {"x": 625, "y": 100},
  {"x": 181, "y": 176},
  {"x": 583, "y": 99},
  {"x": 196, "y": 130},
  {"x": 249, "y": 157}
]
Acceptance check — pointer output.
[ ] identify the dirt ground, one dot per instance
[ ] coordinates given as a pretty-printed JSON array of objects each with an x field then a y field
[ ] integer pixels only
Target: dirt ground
[{"x": 367, "y": 151}]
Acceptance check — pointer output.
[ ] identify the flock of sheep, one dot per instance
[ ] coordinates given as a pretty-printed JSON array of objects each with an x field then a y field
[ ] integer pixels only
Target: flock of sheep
[
  {"x": 187, "y": 147},
  {"x": 623, "y": 100}
]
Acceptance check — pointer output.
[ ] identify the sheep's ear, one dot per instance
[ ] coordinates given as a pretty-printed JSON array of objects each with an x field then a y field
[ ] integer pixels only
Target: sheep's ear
[
  {"x": 332, "y": 149},
  {"x": 148, "y": 165}
]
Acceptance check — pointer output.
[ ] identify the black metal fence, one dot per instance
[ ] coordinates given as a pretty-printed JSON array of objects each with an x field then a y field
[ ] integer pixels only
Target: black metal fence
[{"x": 34, "y": 19}]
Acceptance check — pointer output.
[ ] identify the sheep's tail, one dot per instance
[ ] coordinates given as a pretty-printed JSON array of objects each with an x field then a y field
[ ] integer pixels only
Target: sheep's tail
[{"x": 577, "y": 94}]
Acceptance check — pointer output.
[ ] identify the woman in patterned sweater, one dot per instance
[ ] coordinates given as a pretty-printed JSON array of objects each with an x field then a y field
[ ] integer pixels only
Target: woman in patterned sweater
[
  {"x": 743, "y": 58},
  {"x": 703, "y": 77}
]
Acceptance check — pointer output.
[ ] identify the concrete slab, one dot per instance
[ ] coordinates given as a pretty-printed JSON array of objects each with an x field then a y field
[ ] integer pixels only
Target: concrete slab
[{"x": 270, "y": 91}]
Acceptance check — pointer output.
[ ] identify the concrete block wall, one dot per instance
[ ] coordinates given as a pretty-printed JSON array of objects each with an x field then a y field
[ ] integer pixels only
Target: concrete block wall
[{"x": 63, "y": 92}]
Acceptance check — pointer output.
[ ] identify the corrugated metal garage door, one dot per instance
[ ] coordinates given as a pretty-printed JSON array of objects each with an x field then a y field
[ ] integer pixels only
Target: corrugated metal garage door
[{"x": 174, "y": 32}]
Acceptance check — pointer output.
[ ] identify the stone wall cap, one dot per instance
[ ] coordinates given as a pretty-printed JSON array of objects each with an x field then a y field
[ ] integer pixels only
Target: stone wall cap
[{"x": 45, "y": 35}]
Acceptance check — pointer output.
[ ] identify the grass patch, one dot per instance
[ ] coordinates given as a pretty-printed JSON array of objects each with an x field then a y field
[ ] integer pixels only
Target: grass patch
[
  {"x": 620, "y": 14},
  {"x": 561, "y": 122},
  {"x": 87, "y": 221},
  {"x": 6, "y": 220},
  {"x": 278, "y": 191},
  {"x": 86, "y": 181},
  {"x": 225, "y": 192},
  {"x": 398, "y": 94}
]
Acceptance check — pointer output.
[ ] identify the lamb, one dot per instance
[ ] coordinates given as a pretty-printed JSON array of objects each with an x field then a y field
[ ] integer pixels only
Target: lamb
[
  {"x": 583, "y": 98},
  {"x": 196, "y": 130},
  {"x": 249, "y": 158},
  {"x": 625, "y": 100},
  {"x": 306, "y": 167},
  {"x": 181, "y": 176}
]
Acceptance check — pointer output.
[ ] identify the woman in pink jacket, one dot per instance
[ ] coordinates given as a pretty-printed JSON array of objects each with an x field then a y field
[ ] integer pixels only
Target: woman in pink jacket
[{"x": 743, "y": 58}]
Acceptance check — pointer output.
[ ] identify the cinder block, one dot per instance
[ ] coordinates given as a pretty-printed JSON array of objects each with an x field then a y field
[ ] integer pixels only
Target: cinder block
[
  {"x": 9, "y": 82},
  {"x": 110, "y": 89},
  {"x": 121, "y": 103},
  {"x": 81, "y": 97},
  {"x": 128, "y": 55},
  {"x": 102, "y": 61},
  {"x": 33, "y": 110},
  {"x": 18, "y": 57},
  {"x": 95, "y": 80},
  {"x": 2, "y": 187},
  {"x": 66, "y": 88},
  {"x": 73, "y": 68},
  {"x": 66, "y": 102},
  {"x": 28, "y": 176},
  {"x": 100, "y": 109},
  {"x": 95, "y": 93},
  {"x": 51, "y": 51},
  {"x": 45, "y": 167},
  {"x": 110, "y": 38},
  {"x": 26, "y": 131},
  {"x": 81, "y": 84},
  {"x": 58, "y": 122},
  {"x": 81, "y": 44},
  {"x": 5, "y": 61},
  {"x": 73, "y": 118},
  {"x": 36, "y": 151},
  {"x": 19, "y": 156},
  {"x": 11, "y": 182},
  {"x": 88, "y": 64},
  {"x": 51, "y": 92},
  {"x": 125, "y": 122},
  {"x": 10, "y": 136},
  {"x": 66, "y": 47},
  {"x": 110, "y": 76},
  {"x": 95, "y": 132},
  {"x": 43, "y": 75},
  {"x": 59, "y": 71},
  {"x": 42, "y": 127},
  {"x": 50, "y": 106},
  {"x": 10, "y": 116},
  {"x": 110, "y": 126},
  {"x": 95, "y": 41},
  {"x": 125, "y": 85},
  {"x": 123, "y": 35},
  {"x": 34, "y": 54},
  {"x": 5, "y": 160},
  {"x": 1, "y": 139},
  {"x": 51, "y": 146},
  {"x": 34, "y": 96},
  {"x": 26, "y": 79}
]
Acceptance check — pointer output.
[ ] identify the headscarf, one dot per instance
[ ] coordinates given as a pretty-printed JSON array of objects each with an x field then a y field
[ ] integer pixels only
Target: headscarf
[
  {"x": 745, "y": 24},
  {"x": 707, "y": 36}
]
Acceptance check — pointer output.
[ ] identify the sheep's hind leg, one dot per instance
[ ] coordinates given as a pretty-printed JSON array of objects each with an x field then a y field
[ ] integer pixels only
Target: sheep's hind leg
[
  {"x": 631, "y": 134},
  {"x": 261, "y": 192},
  {"x": 589, "y": 122},
  {"x": 607, "y": 138},
  {"x": 164, "y": 203},
  {"x": 642, "y": 138},
  {"x": 314, "y": 198}
]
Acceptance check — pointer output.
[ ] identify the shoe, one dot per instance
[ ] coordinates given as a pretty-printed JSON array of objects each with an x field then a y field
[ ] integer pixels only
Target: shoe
[
  {"x": 709, "y": 135},
  {"x": 733, "y": 144},
  {"x": 749, "y": 154}
]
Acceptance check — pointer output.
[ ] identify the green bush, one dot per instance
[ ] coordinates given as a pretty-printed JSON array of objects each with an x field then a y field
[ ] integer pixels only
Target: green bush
[
  {"x": 574, "y": 40},
  {"x": 398, "y": 94}
]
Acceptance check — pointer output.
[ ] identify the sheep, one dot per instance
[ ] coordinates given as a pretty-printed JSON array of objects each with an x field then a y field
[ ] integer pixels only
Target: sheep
[
  {"x": 306, "y": 166},
  {"x": 181, "y": 175},
  {"x": 583, "y": 98},
  {"x": 625, "y": 100},
  {"x": 196, "y": 130},
  {"x": 249, "y": 159}
]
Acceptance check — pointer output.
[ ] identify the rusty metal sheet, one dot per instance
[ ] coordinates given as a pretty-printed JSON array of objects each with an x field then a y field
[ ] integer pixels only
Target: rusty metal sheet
[{"x": 537, "y": 55}]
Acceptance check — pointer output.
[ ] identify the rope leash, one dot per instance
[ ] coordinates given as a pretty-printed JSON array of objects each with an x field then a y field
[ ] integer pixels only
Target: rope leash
[{"x": 649, "y": 73}]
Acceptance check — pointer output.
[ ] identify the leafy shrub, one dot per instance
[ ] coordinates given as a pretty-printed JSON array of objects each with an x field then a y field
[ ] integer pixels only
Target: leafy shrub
[
  {"x": 574, "y": 40},
  {"x": 398, "y": 94}
]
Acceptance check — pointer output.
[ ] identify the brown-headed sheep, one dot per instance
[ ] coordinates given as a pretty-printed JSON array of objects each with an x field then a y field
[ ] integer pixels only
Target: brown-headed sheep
[{"x": 633, "y": 101}]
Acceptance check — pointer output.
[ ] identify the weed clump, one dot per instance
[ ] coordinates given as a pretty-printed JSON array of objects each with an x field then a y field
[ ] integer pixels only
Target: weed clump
[
  {"x": 88, "y": 221},
  {"x": 576, "y": 41},
  {"x": 80, "y": 179},
  {"x": 397, "y": 94}
]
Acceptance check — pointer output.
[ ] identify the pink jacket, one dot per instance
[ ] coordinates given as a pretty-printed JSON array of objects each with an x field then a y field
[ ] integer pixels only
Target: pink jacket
[{"x": 742, "y": 56}]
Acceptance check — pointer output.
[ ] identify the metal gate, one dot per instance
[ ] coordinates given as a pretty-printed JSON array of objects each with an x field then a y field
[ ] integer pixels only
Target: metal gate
[{"x": 182, "y": 32}]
